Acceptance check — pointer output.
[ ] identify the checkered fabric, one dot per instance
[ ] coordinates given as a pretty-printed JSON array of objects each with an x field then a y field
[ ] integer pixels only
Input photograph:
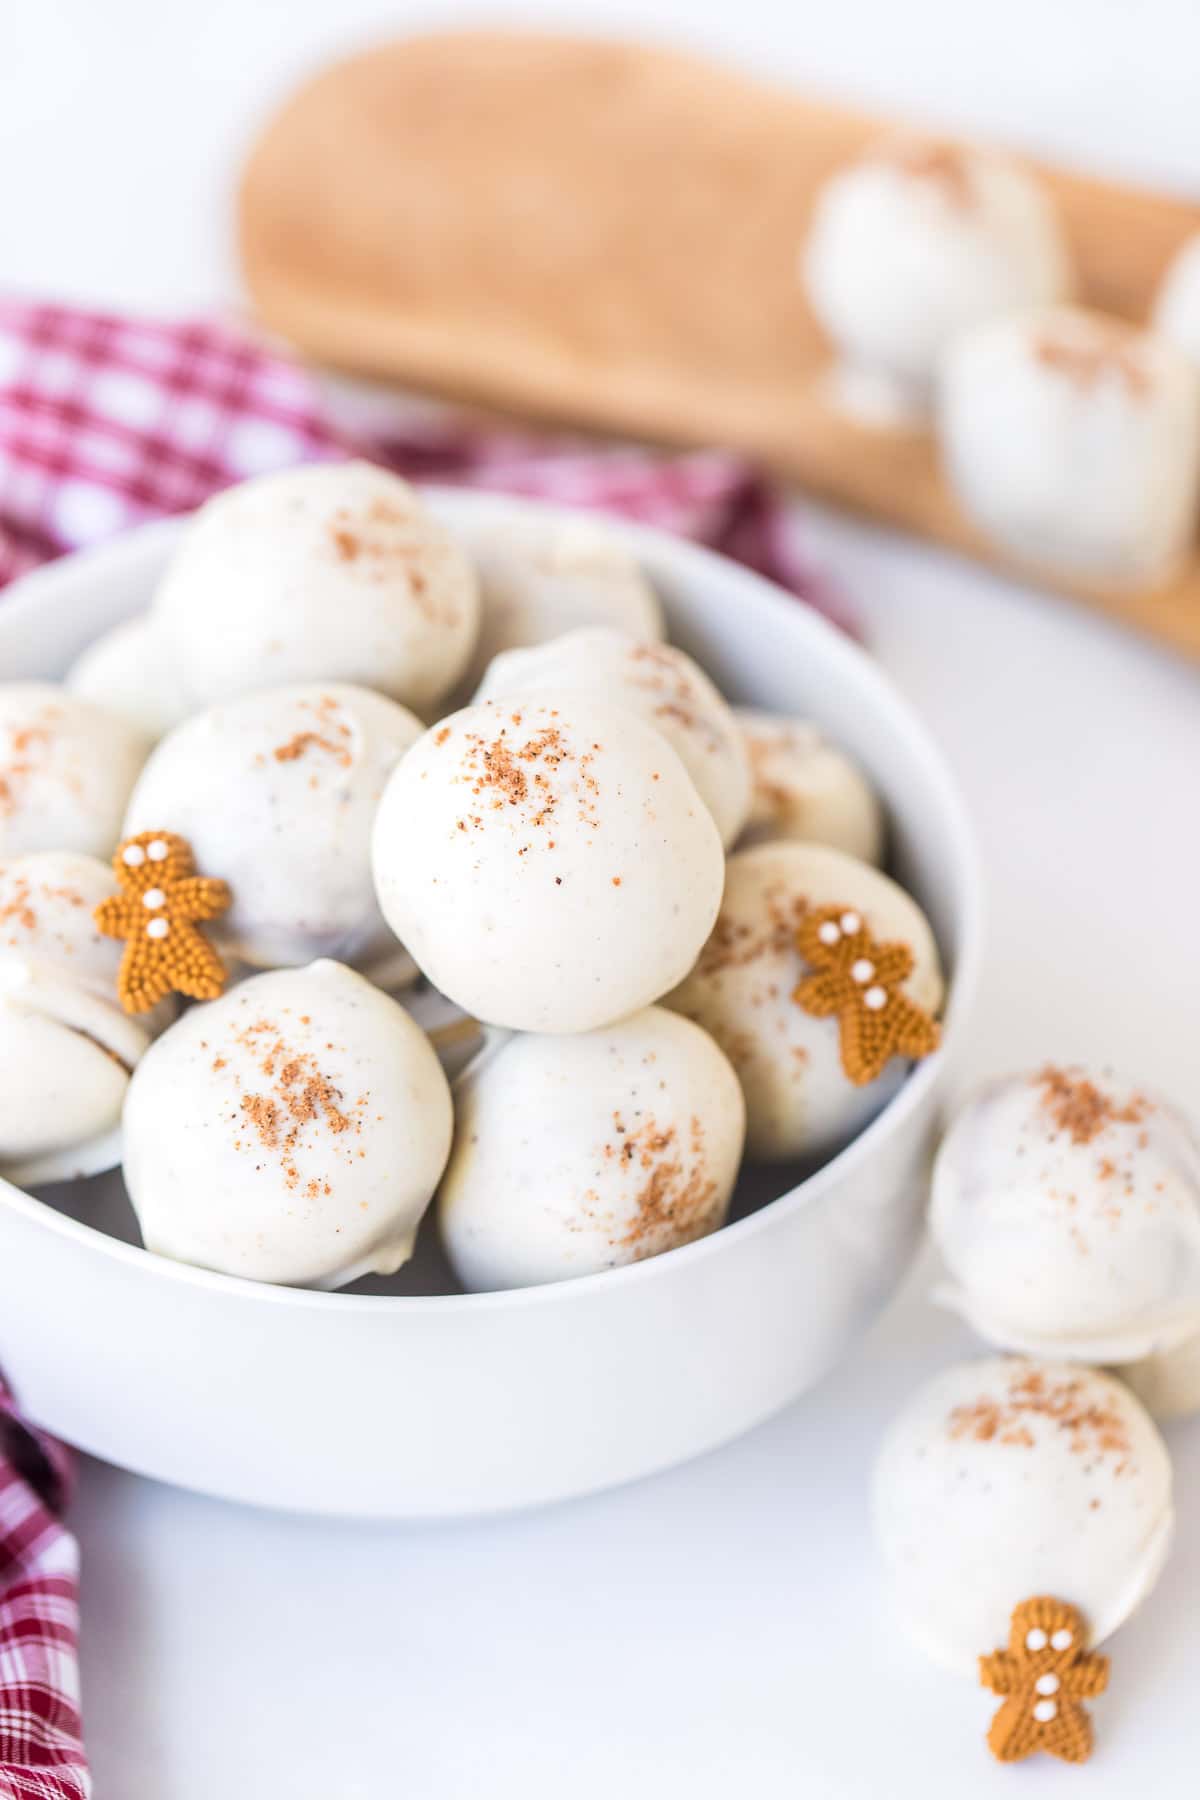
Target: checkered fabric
[
  {"x": 41, "y": 1747},
  {"x": 106, "y": 421}
]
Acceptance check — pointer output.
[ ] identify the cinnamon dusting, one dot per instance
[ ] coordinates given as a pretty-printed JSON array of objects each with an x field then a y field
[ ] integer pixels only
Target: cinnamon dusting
[
  {"x": 1106, "y": 350},
  {"x": 1094, "y": 1426},
  {"x": 534, "y": 775},
  {"x": 936, "y": 161},
  {"x": 1081, "y": 1109},
  {"x": 676, "y": 1200},
  {"x": 300, "y": 1098}
]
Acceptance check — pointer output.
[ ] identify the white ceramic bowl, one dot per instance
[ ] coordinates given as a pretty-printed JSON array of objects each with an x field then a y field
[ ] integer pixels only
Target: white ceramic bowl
[{"x": 396, "y": 1400}]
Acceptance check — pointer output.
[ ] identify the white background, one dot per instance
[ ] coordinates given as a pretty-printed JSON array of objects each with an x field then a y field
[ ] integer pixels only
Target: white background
[{"x": 719, "y": 1630}]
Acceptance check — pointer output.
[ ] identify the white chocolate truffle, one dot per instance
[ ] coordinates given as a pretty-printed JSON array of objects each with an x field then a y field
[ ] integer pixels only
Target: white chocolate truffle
[
  {"x": 662, "y": 685},
  {"x": 1005, "y": 1479},
  {"x": 1066, "y": 1205},
  {"x": 66, "y": 771},
  {"x": 130, "y": 671},
  {"x": 805, "y": 788},
  {"x": 47, "y": 905},
  {"x": 335, "y": 572},
  {"x": 293, "y": 1131},
  {"x": 1073, "y": 441},
  {"x": 1177, "y": 308},
  {"x": 1168, "y": 1383},
  {"x": 542, "y": 576},
  {"x": 66, "y": 1048},
  {"x": 276, "y": 793},
  {"x": 550, "y": 868},
  {"x": 799, "y": 1099},
  {"x": 912, "y": 245},
  {"x": 573, "y": 1155}
]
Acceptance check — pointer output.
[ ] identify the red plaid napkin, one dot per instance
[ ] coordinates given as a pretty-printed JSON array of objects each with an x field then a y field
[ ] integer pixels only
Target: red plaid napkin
[
  {"x": 41, "y": 1746},
  {"x": 107, "y": 421}
]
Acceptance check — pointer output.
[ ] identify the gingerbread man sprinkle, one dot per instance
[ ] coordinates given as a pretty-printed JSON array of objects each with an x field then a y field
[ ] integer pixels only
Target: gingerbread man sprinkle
[
  {"x": 1043, "y": 1676},
  {"x": 162, "y": 900},
  {"x": 859, "y": 981}
]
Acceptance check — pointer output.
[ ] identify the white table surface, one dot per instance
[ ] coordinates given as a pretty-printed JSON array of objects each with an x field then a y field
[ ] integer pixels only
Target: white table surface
[{"x": 720, "y": 1629}]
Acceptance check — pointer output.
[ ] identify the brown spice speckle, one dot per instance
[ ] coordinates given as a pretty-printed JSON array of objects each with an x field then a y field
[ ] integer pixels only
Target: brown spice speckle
[
  {"x": 301, "y": 1096},
  {"x": 1094, "y": 1426},
  {"x": 1081, "y": 1109},
  {"x": 676, "y": 1200}
]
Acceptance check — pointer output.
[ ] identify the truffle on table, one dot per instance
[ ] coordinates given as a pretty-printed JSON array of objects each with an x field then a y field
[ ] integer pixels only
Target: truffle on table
[
  {"x": 1066, "y": 1206},
  {"x": 1008, "y": 1478},
  {"x": 1072, "y": 440},
  {"x": 913, "y": 244}
]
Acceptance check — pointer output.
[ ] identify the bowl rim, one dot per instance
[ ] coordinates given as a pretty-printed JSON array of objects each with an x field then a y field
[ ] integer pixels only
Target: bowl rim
[{"x": 696, "y": 563}]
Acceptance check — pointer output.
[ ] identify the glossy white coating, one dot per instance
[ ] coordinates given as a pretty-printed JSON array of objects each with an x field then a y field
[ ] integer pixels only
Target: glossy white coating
[
  {"x": 66, "y": 770},
  {"x": 579, "y": 1154},
  {"x": 550, "y": 867},
  {"x": 331, "y": 572},
  {"x": 1003, "y": 1479},
  {"x": 799, "y": 1099},
  {"x": 276, "y": 792},
  {"x": 292, "y": 1131}
]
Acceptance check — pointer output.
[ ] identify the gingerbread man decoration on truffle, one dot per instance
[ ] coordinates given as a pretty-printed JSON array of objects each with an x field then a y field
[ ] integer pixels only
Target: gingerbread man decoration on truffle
[
  {"x": 162, "y": 900},
  {"x": 1043, "y": 1676},
  {"x": 859, "y": 981}
]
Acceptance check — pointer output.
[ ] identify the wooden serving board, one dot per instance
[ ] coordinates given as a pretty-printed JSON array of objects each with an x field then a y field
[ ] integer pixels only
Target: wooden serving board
[{"x": 607, "y": 235}]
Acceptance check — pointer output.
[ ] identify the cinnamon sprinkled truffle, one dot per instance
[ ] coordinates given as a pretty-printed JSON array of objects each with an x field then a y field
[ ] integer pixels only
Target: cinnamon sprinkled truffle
[
  {"x": 914, "y": 244},
  {"x": 1009, "y": 1477},
  {"x": 276, "y": 793},
  {"x": 292, "y": 1131},
  {"x": 494, "y": 850},
  {"x": 578, "y": 1154},
  {"x": 334, "y": 572},
  {"x": 1066, "y": 1205},
  {"x": 741, "y": 990},
  {"x": 1072, "y": 441}
]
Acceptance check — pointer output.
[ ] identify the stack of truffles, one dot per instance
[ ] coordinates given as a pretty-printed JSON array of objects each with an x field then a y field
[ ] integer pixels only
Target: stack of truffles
[
  {"x": 1071, "y": 438},
  {"x": 1031, "y": 1493},
  {"x": 347, "y": 763}
]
